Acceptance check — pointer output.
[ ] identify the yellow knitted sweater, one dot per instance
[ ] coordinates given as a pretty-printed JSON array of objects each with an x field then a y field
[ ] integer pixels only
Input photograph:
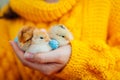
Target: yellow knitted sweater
[{"x": 95, "y": 25}]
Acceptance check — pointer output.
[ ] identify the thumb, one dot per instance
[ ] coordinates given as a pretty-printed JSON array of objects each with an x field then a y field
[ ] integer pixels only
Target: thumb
[{"x": 15, "y": 47}]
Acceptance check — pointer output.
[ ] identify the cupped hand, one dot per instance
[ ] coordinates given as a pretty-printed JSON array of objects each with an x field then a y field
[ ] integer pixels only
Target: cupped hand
[{"x": 47, "y": 63}]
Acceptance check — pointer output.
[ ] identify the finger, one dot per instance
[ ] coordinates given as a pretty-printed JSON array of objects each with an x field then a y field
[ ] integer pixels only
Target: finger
[
  {"x": 15, "y": 47},
  {"x": 59, "y": 55},
  {"x": 28, "y": 56},
  {"x": 41, "y": 57},
  {"x": 18, "y": 52},
  {"x": 45, "y": 58}
]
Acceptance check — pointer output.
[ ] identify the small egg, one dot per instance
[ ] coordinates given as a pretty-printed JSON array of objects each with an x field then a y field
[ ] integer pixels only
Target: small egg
[
  {"x": 54, "y": 44},
  {"x": 16, "y": 39}
]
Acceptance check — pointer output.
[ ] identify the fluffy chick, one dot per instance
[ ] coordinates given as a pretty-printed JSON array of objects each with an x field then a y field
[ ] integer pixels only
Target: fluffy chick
[
  {"x": 25, "y": 37},
  {"x": 40, "y": 42},
  {"x": 61, "y": 34}
]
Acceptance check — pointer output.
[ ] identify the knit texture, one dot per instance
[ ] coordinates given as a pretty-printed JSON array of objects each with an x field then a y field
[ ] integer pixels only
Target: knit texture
[
  {"x": 41, "y": 10},
  {"x": 95, "y": 25}
]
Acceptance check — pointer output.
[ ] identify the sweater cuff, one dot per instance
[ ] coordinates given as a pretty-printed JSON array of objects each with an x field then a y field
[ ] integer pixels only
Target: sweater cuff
[{"x": 75, "y": 66}]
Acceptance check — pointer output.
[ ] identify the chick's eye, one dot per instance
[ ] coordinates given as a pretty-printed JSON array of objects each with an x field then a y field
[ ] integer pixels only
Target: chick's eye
[
  {"x": 63, "y": 36},
  {"x": 41, "y": 38},
  {"x": 27, "y": 40}
]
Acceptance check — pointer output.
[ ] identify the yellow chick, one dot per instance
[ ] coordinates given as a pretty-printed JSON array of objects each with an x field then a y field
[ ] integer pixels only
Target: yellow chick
[
  {"x": 40, "y": 42},
  {"x": 61, "y": 34},
  {"x": 25, "y": 37}
]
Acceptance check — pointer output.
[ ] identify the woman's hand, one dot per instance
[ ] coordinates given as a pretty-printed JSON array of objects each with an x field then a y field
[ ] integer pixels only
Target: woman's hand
[{"x": 47, "y": 63}]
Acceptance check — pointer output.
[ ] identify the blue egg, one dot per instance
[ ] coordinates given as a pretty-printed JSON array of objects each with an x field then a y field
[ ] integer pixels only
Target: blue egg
[
  {"x": 16, "y": 39},
  {"x": 54, "y": 44}
]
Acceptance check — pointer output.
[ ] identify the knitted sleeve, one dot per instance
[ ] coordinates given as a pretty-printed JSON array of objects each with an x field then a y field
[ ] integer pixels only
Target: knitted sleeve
[
  {"x": 96, "y": 60},
  {"x": 7, "y": 58},
  {"x": 92, "y": 61},
  {"x": 114, "y": 24}
]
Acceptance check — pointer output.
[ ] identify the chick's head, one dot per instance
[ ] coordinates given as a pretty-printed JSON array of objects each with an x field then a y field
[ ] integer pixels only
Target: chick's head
[
  {"x": 25, "y": 37},
  {"x": 40, "y": 36},
  {"x": 61, "y": 34}
]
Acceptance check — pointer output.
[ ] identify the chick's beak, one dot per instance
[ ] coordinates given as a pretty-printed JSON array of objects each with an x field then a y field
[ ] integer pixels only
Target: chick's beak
[
  {"x": 69, "y": 37},
  {"x": 47, "y": 39},
  {"x": 21, "y": 45}
]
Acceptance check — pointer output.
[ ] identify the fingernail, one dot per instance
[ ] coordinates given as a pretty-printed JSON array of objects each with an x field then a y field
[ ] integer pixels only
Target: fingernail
[
  {"x": 28, "y": 55},
  {"x": 16, "y": 39}
]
